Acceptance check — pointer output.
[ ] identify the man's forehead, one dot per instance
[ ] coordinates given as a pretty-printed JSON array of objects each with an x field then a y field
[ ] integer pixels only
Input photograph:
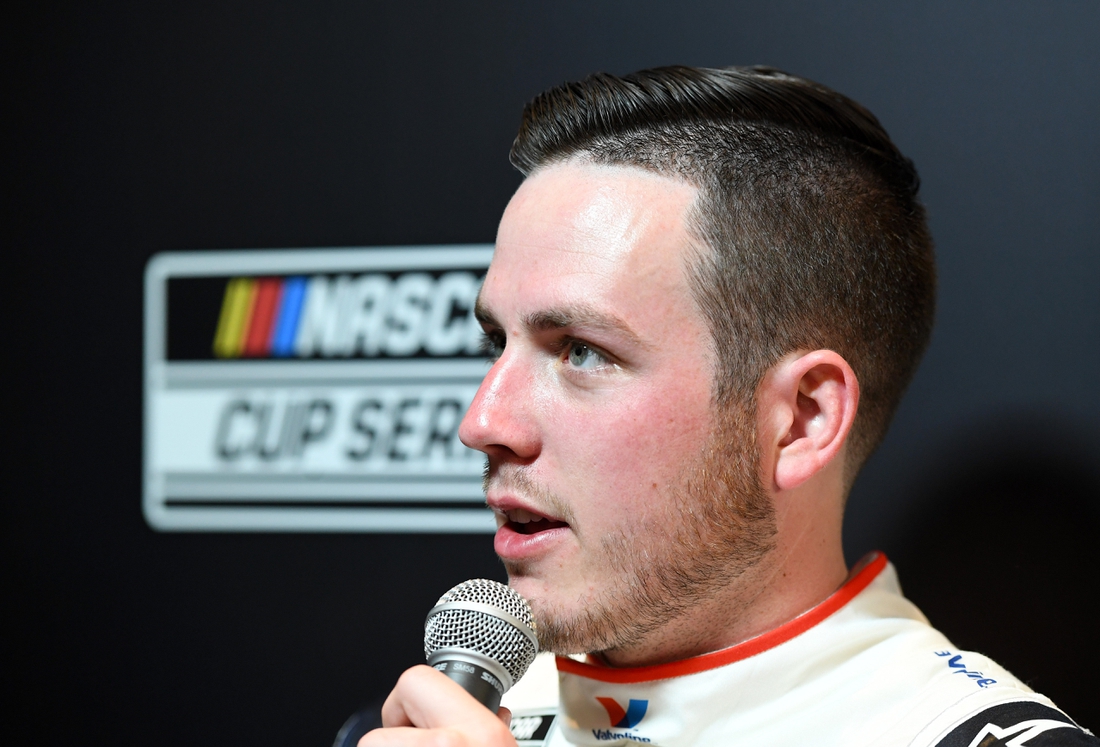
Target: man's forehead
[
  {"x": 596, "y": 216},
  {"x": 583, "y": 242},
  {"x": 596, "y": 196}
]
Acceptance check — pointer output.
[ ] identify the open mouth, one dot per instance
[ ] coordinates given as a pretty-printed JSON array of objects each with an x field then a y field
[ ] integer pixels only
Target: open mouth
[{"x": 522, "y": 521}]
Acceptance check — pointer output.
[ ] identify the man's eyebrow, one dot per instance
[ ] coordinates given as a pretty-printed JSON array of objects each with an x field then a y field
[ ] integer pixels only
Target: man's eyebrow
[
  {"x": 583, "y": 317},
  {"x": 483, "y": 315}
]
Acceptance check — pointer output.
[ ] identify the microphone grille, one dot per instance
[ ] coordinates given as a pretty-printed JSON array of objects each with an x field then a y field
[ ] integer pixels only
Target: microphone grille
[{"x": 481, "y": 631}]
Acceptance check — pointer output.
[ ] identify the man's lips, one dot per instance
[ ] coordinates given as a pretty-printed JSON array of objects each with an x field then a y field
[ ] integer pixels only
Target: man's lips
[
  {"x": 522, "y": 521},
  {"x": 523, "y": 533}
]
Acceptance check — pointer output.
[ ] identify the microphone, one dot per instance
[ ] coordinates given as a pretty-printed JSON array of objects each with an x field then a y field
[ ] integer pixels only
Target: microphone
[{"x": 481, "y": 634}]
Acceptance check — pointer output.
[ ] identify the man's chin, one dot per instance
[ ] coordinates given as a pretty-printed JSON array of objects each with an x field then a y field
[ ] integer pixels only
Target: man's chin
[{"x": 548, "y": 617}]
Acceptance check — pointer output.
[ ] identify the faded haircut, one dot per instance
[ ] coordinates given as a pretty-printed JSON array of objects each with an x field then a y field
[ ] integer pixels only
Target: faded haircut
[{"x": 815, "y": 236}]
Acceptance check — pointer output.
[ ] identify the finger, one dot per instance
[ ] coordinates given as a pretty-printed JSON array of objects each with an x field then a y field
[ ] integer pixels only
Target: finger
[{"x": 505, "y": 715}]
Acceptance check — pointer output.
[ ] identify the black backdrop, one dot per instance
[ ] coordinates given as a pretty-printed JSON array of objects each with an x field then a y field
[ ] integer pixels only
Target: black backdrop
[{"x": 141, "y": 128}]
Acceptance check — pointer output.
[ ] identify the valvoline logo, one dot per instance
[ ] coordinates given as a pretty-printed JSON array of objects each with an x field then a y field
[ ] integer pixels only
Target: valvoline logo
[{"x": 624, "y": 719}]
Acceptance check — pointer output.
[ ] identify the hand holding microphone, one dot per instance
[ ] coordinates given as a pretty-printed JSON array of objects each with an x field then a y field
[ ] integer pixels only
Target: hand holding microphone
[{"x": 480, "y": 635}]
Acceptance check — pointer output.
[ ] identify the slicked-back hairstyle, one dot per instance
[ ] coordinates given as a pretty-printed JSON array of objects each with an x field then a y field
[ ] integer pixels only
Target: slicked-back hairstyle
[{"x": 813, "y": 234}]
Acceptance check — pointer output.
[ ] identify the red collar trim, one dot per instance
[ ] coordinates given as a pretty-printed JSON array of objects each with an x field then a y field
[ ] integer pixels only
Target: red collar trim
[{"x": 863, "y": 574}]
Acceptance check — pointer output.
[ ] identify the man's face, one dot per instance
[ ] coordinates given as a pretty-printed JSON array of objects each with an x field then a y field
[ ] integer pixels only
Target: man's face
[{"x": 616, "y": 506}]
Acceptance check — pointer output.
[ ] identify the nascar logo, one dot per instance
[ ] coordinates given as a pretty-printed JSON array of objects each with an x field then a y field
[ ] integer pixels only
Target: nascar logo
[{"x": 369, "y": 315}]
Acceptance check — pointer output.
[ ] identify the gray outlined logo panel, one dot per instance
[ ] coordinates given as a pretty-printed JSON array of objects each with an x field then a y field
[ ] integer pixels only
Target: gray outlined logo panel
[{"x": 313, "y": 390}]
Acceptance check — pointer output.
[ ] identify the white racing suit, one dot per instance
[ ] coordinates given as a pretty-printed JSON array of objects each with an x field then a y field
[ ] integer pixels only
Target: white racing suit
[{"x": 864, "y": 667}]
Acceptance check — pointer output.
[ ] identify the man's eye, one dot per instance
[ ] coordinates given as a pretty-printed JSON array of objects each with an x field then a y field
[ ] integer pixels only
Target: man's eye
[
  {"x": 583, "y": 357},
  {"x": 492, "y": 344}
]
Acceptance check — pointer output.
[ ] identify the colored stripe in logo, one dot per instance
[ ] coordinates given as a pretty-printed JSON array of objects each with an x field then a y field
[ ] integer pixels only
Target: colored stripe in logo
[
  {"x": 259, "y": 317},
  {"x": 290, "y": 311},
  {"x": 258, "y": 340},
  {"x": 236, "y": 309}
]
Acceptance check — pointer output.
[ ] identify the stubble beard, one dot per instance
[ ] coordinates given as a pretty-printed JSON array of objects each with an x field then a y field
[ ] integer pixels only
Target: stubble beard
[{"x": 718, "y": 523}]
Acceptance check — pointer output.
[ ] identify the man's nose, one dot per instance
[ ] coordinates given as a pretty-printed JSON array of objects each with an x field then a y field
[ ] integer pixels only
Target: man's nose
[{"x": 500, "y": 420}]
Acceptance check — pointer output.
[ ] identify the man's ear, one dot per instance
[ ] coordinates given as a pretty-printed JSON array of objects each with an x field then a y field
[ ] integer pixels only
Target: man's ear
[{"x": 806, "y": 406}]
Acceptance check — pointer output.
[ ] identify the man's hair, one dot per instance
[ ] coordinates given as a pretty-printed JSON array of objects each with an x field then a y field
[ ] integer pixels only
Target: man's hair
[{"x": 816, "y": 237}]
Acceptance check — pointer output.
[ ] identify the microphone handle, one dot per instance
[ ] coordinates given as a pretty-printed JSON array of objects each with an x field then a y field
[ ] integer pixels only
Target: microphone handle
[{"x": 486, "y": 688}]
